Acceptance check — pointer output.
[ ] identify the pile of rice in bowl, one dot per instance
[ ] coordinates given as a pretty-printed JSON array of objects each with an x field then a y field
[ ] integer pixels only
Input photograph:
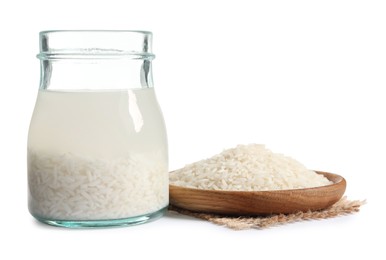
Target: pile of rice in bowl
[{"x": 247, "y": 168}]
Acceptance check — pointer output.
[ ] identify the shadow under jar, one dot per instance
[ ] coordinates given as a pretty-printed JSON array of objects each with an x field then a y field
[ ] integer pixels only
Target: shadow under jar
[{"x": 97, "y": 146}]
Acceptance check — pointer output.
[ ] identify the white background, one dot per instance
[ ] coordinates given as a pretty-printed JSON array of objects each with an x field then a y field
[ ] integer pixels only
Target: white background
[{"x": 306, "y": 78}]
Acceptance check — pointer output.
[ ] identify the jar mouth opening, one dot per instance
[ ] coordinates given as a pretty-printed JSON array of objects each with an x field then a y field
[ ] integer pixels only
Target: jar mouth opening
[
  {"x": 97, "y": 31},
  {"x": 95, "y": 44}
]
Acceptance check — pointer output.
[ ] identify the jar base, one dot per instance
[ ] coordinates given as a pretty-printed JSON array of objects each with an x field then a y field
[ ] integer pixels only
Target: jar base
[{"x": 104, "y": 223}]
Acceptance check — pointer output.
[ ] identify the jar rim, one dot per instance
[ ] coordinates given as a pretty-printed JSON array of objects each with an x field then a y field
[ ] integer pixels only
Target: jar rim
[
  {"x": 96, "y": 31},
  {"x": 95, "y": 44}
]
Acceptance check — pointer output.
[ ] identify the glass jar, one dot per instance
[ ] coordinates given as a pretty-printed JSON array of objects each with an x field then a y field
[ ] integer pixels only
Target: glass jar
[{"x": 97, "y": 147}]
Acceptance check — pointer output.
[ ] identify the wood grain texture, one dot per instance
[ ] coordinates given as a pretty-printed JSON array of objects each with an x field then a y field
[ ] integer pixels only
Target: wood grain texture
[{"x": 259, "y": 202}]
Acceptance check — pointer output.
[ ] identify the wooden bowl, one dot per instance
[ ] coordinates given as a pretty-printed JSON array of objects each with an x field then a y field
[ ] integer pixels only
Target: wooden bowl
[{"x": 259, "y": 202}]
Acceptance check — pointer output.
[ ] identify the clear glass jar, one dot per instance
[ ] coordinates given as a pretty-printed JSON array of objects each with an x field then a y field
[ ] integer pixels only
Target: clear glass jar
[{"x": 97, "y": 147}]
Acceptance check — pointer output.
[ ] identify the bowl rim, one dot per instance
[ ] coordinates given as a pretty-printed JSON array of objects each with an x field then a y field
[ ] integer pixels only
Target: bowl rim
[{"x": 335, "y": 178}]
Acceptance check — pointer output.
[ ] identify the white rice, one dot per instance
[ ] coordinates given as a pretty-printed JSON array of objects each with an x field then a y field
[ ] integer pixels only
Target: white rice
[
  {"x": 72, "y": 187},
  {"x": 247, "y": 168}
]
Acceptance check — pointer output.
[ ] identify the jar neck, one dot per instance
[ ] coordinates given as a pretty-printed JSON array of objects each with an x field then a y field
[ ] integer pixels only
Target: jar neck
[
  {"x": 95, "y": 74},
  {"x": 95, "y": 60}
]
